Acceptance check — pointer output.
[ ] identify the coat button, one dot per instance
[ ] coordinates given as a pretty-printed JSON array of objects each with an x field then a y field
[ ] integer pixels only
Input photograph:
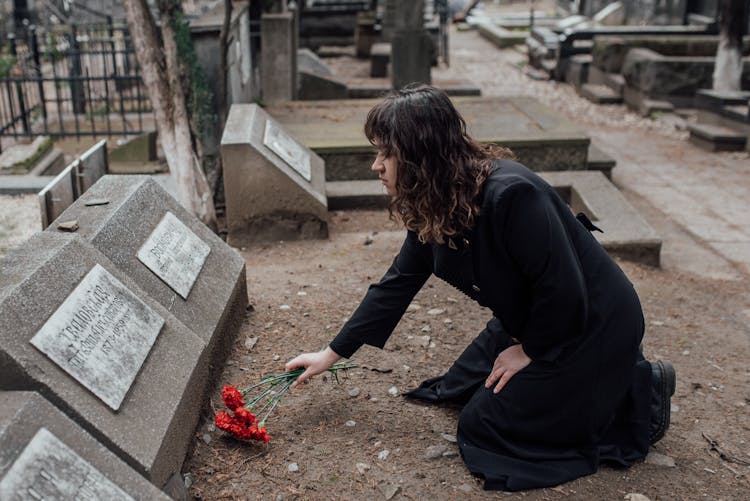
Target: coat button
[
  {"x": 476, "y": 289},
  {"x": 466, "y": 243}
]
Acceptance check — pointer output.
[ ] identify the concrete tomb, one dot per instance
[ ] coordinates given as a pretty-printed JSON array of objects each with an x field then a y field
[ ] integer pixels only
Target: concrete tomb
[
  {"x": 274, "y": 185},
  {"x": 90, "y": 340},
  {"x": 46, "y": 455},
  {"x": 411, "y": 46},
  {"x": 169, "y": 253}
]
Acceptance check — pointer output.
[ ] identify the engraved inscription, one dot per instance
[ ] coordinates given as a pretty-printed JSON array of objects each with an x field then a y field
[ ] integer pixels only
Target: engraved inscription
[
  {"x": 100, "y": 335},
  {"x": 175, "y": 254},
  {"x": 288, "y": 149},
  {"x": 49, "y": 469}
]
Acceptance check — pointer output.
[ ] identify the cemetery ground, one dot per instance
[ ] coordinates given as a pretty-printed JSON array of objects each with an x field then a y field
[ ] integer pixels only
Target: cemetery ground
[{"x": 355, "y": 439}]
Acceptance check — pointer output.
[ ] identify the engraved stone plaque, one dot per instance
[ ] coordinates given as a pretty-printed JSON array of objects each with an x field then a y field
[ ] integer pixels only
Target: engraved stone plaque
[
  {"x": 288, "y": 149},
  {"x": 100, "y": 335},
  {"x": 49, "y": 469},
  {"x": 175, "y": 254}
]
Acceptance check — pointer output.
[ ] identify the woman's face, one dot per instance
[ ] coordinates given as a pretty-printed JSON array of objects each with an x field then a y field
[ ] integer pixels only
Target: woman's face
[{"x": 386, "y": 167}]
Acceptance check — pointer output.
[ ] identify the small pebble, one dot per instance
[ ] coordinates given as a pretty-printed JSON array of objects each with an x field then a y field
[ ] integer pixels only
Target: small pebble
[
  {"x": 302, "y": 293},
  {"x": 383, "y": 454},
  {"x": 207, "y": 438},
  {"x": 285, "y": 307},
  {"x": 658, "y": 459},
  {"x": 435, "y": 451},
  {"x": 634, "y": 496},
  {"x": 450, "y": 454},
  {"x": 293, "y": 467},
  {"x": 393, "y": 391},
  {"x": 351, "y": 422},
  {"x": 250, "y": 342},
  {"x": 368, "y": 240},
  {"x": 435, "y": 311},
  {"x": 465, "y": 488},
  {"x": 449, "y": 437},
  {"x": 413, "y": 307},
  {"x": 277, "y": 357},
  {"x": 188, "y": 479},
  {"x": 362, "y": 468},
  {"x": 426, "y": 328},
  {"x": 354, "y": 392},
  {"x": 447, "y": 321},
  {"x": 686, "y": 352}
]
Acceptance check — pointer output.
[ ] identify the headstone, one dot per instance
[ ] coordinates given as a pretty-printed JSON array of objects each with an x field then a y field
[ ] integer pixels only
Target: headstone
[
  {"x": 315, "y": 78},
  {"x": 380, "y": 57},
  {"x": 46, "y": 455},
  {"x": 97, "y": 362},
  {"x": 169, "y": 253},
  {"x": 365, "y": 34},
  {"x": 274, "y": 186},
  {"x": 58, "y": 195},
  {"x": 411, "y": 47},
  {"x": 278, "y": 57},
  {"x": 92, "y": 165}
]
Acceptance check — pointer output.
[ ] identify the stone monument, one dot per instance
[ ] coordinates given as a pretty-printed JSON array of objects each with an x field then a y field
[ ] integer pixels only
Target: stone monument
[
  {"x": 274, "y": 186},
  {"x": 46, "y": 455},
  {"x": 169, "y": 253},
  {"x": 411, "y": 46},
  {"x": 84, "y": 335},
  {"x": 278, "y": 57}
]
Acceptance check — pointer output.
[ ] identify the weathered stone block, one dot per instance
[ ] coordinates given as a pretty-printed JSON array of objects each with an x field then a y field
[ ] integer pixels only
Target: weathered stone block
[
  {"x": 662, "y": 77},
  {"x": 141, "y": 148},
  {"x": 411, "y": 58},
  {"x": 92, "y": 326},
  {"x": 380, "y": 56},
  {"x": 274, "y": 186},
  {"x": 278, "y": 57},
  {"x": 313, "y": 86},
  {"x": 209, "y": 295},
  {"x": 45, "y": 455}
]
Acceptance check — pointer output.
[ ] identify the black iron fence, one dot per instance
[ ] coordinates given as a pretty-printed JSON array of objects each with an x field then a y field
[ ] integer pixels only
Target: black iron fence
[{"x": 71, "y": 81}]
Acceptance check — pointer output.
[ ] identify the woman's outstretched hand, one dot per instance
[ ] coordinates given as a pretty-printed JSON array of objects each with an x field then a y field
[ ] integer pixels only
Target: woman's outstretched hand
[
  {"x": 507, "y": 364},
  {"x": 314, "y": 363}
]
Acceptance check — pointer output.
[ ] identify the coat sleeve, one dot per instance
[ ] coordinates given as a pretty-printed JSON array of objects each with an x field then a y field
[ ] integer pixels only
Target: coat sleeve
[
  {"x": 385, "y": 302},
  {"x": 536, "y": 239}
]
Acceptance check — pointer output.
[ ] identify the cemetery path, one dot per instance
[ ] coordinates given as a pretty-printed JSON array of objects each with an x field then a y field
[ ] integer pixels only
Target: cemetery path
[{"x": 697, "y": 309}]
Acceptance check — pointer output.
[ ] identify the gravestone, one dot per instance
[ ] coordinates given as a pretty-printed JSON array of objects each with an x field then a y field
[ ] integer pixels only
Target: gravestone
[
  {"x": 58, "y": 195},
  {"x": 274, "y": 186},
  {"x": 46, "y": 455},
  {"x": 72, "y": 182},
  {"x": 169, "y": 253},
  {"x": 278, "y": 57},
  {"x": 411, "y": 46},
  {"x": 94, "y": 344}
]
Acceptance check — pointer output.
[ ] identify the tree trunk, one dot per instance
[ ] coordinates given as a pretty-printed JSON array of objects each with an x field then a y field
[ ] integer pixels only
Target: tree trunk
[
  {"x": 161, "y": 76},
  {"x": 732, "y": 26},
  {"x": 223, "y": 48}
]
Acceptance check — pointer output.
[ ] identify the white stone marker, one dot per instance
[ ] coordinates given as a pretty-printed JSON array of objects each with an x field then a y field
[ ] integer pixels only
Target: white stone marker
[
  {"x": 100, "y": 335},
  {"x": 281, "y": 143},
  {"x": 175, "y": 254},
  {"x": 49, "y": 469}
]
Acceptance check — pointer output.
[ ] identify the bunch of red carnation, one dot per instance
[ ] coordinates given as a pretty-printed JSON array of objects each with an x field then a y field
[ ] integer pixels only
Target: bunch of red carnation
[
  {"x": 243, "y": 424},
  {"x": 264, "y": 396}
]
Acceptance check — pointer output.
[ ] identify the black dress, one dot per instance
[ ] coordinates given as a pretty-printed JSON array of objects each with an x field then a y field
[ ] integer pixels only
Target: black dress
[{"x": 584, "y": 398}]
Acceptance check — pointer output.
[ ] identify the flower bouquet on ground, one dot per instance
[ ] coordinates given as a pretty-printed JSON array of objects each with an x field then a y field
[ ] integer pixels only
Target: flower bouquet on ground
[{"x": 259, "y": 399}]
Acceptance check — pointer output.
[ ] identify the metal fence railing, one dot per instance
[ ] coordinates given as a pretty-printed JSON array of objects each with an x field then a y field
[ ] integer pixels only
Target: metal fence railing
[{"x": 71, "y": 81}]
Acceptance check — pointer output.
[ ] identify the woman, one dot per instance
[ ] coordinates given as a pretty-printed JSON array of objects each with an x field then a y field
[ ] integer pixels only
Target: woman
[{"x": 556, "y": 382}]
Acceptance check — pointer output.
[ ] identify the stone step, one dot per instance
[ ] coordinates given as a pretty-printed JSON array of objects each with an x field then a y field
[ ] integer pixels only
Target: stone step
[
  {"x": 598, "y": 160},
  {"x": 615, "y": 81},
  {"x": 17, "y": 185},
  {"x": 716, "y": 137},
  {"x": 712, "y": 97},
  {"x": 364, "y": 194},
  {"x": 599, "y": 94}
]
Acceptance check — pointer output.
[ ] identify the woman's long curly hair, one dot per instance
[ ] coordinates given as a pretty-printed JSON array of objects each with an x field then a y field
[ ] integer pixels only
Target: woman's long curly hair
[{"x": 440, "y": 169}]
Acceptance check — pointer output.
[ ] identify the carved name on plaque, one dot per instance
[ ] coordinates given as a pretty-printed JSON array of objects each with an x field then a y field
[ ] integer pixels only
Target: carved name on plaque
[
  {"x": 100, "y": 335},
  {"x": 175, "y": 254},
  {"x": 49, "y": 469},
  {"x": 288, "y": 149}
]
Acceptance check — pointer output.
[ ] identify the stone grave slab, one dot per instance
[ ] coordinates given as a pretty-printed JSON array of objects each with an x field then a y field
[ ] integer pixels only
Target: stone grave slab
[
  {"x": 542, "y": 139},
  {"x": 58, "y": 194},
  {"x": 92, "y": 165},
  {"x": 274, "y": 185},
  {"x": 626, "y": 233},
  {"x": 41, "y": 283},
  {"x": 45, "y": 455},
  {"x": 169, "y": 253}
]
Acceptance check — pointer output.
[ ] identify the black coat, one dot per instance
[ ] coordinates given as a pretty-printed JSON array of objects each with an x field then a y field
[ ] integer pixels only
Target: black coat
[
  {"x": 584, "y": 398},
  {"x": 528, "y": 259}
]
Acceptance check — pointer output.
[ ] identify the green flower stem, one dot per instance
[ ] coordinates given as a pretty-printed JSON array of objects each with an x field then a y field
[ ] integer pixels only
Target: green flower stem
[
  {"x": 275, "y": 401},
  {"x": 264, "y": 394}
]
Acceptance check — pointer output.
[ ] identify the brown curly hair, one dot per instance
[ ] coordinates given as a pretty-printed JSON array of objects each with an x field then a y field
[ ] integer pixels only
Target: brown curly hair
[{"x": 440, "y": 169}]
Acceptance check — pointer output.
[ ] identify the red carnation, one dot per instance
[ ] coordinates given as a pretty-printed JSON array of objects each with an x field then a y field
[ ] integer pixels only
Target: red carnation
[
  {"x": 245, "y": 416},
  {"x": 223, "y": 421},
  {"x": 232, "y": 398}
]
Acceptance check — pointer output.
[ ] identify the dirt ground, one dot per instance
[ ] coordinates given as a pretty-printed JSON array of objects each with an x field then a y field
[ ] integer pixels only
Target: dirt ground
[{"x": 330, "y": 439}]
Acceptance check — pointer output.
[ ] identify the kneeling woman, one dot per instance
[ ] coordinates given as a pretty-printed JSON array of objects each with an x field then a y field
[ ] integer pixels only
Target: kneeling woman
[{"x": 556, "y": 383}]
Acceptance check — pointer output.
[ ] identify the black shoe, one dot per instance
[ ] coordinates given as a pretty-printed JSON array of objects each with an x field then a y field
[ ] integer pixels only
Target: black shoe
[{"x": 662, "y": 388}]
